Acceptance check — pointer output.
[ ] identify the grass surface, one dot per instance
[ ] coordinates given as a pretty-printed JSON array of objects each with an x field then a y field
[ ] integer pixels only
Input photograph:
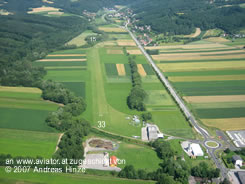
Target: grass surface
[
  {"x": 211, "y": 88},
  {"x": 62, "y": 178},
  {"x": 206, "y": 73},
  {"x": 80, "y": 39},
  {"x": 23, "y": 108},
  {"x": 141, "y": 157},
  {"x": 65, "y": 75},
  {"x": 28, "y": 143},
  {"x": 79, "y": 88},
  {"x": 111, "y": 69},
  {"x": 24, "y": 119},
  {"x": 221, "y": 113}
]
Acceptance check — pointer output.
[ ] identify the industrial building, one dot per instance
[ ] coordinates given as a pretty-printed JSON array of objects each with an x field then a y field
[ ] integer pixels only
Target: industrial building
[{"x": 195, "y": 150}]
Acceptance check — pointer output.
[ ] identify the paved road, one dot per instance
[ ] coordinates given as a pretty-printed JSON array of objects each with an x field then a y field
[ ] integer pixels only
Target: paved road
[{"x": 184, "y": 109}]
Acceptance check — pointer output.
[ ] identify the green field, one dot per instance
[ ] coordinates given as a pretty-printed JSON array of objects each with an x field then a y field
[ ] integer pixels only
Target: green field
[
  {"x": 210, "y": 88},
  {"x": 158, "y": 98},
  {"x": 221, "y": 113},
  {"x": 80, "y": 39},
  {"x": 63, "y": 63},
  {"x": 148, "y": 69},
  {"x": 65, "y": 75},
  {"x": 24, "y": 119},
  {"x": 141, "y": 157},
  {"x": 206, "y": 73},
  {"x": 27, "y": 143},
  {"x": 62, "y": 178},
  {"x": 172, "y": 122},
  {"x": 111, "y": 69},
  {"x": 79, "y": 88},
  {"x": 22, "y": 108}
]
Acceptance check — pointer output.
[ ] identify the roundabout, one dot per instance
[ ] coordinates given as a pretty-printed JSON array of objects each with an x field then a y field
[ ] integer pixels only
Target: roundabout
[{"x": 212, "y": 144}]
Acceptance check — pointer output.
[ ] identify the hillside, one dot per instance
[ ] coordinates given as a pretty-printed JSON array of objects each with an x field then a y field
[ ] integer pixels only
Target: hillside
[{"x": 183, "y": 16}]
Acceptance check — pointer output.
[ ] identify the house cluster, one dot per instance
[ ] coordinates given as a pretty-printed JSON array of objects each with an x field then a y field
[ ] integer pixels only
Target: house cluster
[
  {"x": 144, "y": 39},
  {"x": 89, "y": 15},
  {"x": 119, "y": 15},
  {"x": 234, "y": 35}
]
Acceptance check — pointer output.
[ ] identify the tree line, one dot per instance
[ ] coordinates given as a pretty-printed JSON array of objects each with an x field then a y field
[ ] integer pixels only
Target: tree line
[{"x": 137, "y": 94}]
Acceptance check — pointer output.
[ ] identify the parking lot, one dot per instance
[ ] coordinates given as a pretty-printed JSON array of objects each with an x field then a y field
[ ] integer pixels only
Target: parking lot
[{"x": 238, "y": 137}]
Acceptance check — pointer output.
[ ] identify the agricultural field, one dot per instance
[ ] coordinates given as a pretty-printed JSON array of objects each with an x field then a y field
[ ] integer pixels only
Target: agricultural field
[
  {"x": 68, "y": 67},
  {"x": 134, "y": 154},
  {"x": 80, "y": 39},
  {"x": 48, "y": 11},
  {"x": 112, "y": 29},
  {"x": 23, "y": 131},
  {"x": 28, "y": 143},
  {"x": 210, "y": 76},
  {"x": 28, "y": 108}
]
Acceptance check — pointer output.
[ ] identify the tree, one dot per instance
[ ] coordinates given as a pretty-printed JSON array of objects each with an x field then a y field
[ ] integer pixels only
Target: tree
[
  {"x": 165, "y": 179},
  {"x": 146, "y": 116},
  {"x": 128, "y": 172}
]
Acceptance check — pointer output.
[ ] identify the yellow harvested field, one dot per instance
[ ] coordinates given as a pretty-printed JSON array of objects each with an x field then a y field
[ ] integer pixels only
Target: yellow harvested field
[
  {"x": 112, "y": 29},
  {"x": 194, "y": 35},
  {"x": 121, "y": 69},
  {"x": 20, "y": 89},
  {"x": 118, "y": 21},
  {"x": 43, "y": 9},
  {"x": 55, "y": 13},
  {"x": 49, "y": 2},
  {"x": 126, "y": 43},
  {"x": 194, "y": 56},
  {"x": 64, "y": 67},
  {"x": 197, "y": 66},
  {"x": 200, "y": 53},
  {"x": 108, "y": 43},
  {"x": 111, "y": 51},
  {"x": 225, "y": 124},
  {"x": 134, "y": 52},
  {"x": 141, "y": 70},
  {"x": 65, "y": 55},
  {"x": 207, "y": 78},
  {"x": 59, "y": 60},
  {"x": 197, "y": 50},
  {"x": 189, "y": 46},
  {"x": 221, "y": 98},
  {"x": 217, "y": 39}
]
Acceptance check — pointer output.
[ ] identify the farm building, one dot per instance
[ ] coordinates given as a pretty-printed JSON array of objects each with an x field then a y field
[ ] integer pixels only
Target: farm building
[
  {"x": 152, "y": 133},
  {"x": 237, "y": 160},
  {"x": 195, "y": 149}
]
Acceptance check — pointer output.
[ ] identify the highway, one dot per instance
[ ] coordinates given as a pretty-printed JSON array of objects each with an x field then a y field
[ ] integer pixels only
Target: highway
[{"x": 185, "y": 110}]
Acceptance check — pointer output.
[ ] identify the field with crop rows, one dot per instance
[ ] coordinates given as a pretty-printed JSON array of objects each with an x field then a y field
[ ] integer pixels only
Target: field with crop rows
[
  {"x": 210, "y": 76},
  {"x": 23, "y": 131}
]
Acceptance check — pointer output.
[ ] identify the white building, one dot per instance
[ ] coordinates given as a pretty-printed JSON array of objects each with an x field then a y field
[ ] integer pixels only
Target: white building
[
  {"x": 237, "y": 160},
  {"x": 195, "y": 150}
]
